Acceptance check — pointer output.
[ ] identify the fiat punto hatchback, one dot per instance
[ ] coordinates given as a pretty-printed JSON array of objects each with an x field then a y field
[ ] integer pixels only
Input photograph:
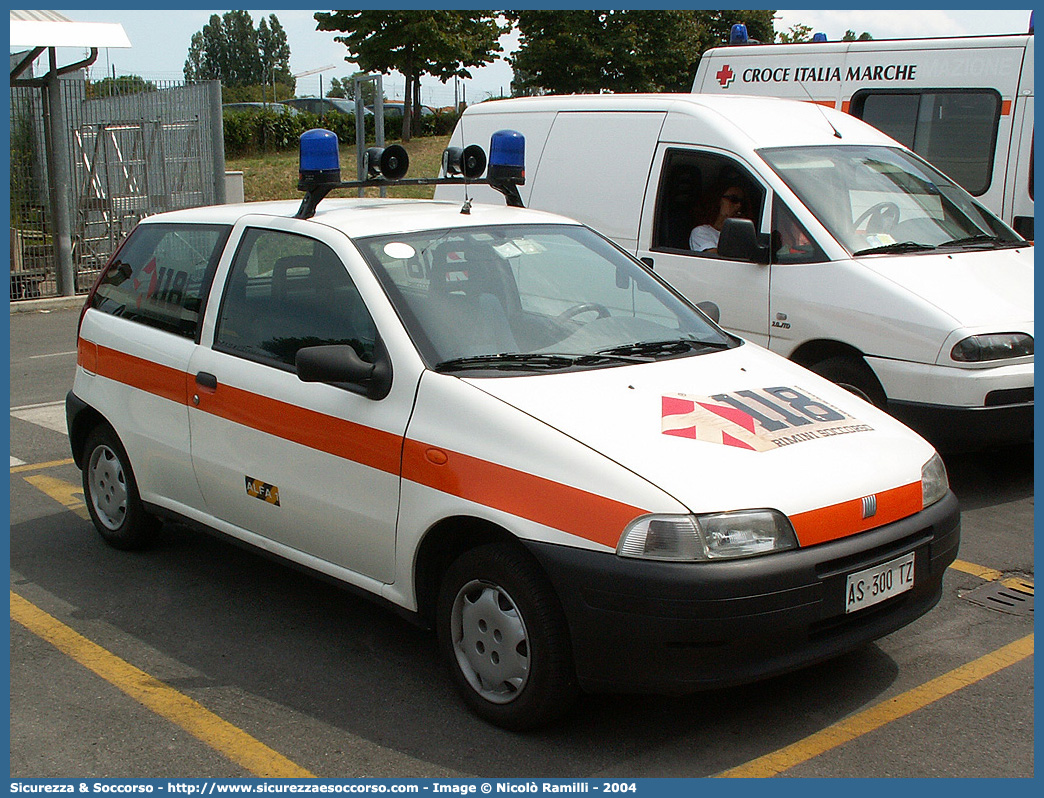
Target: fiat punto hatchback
[{"x": 499, "y": 423}]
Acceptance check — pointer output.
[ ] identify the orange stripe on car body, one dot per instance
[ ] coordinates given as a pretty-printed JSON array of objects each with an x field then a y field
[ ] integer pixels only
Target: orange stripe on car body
[
  {"x": 371, "y": 447},
  {"x": 844, "y": 519},
  {"x": 159, "y": 380},
  {"x": 528, "y": 496},
  {"x": 543, "y": 501}
]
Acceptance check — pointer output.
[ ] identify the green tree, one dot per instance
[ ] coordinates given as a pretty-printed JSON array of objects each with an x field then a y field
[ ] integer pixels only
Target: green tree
[
  {"x": 850, "y": 36},
  {"x": 443, "y": 44},
  {"x": 796, "y": 34},
  {"x": 230, "y": 49},
  {"x": 124, "y": 84},
  {"x": 589, "y": 51}
]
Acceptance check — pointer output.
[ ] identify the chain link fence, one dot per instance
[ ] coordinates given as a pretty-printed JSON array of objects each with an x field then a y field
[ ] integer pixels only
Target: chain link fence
[{"x": 130, "y": 152}]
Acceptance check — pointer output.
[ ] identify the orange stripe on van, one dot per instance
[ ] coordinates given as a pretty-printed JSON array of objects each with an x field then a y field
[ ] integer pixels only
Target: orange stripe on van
[
  {"x": 1005, "y": 107},
  {"x": 844, "y": 519},
  {"x": 845, "y": 105},
  {"x": 534, "y": 498},
  {"x": 87, "y": 355}
]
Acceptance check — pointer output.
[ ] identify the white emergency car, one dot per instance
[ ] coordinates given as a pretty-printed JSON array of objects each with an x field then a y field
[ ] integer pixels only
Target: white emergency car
[{"x": 499, "y": 423}]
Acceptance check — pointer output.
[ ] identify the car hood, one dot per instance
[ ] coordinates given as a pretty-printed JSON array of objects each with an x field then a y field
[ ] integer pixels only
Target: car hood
[
  {"x": 680, "y": 424},
  {"x": 978, "y": 288}
]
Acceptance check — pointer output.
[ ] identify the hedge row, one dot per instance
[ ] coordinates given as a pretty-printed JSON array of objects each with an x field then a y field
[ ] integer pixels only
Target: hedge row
[{"x": 251, "y": 132}]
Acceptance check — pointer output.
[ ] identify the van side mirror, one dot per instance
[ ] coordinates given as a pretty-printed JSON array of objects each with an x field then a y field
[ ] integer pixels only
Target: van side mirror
[
  {"x": 710, "y": 310},
  {"x": 740, "y": 241},
  {"x": 340, "y": 364}
]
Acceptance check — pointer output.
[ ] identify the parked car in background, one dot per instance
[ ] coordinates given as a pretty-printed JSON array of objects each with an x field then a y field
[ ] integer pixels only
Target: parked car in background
[
  {"x": 320, "y": 106},
  {"x": 255, "y": 108},
  {"x": 395, "y": 109}
]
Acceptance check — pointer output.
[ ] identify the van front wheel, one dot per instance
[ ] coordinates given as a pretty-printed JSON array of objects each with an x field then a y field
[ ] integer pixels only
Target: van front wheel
[
  {"x": 502, "y": 634},
  {"x": 852, "y": 374}
]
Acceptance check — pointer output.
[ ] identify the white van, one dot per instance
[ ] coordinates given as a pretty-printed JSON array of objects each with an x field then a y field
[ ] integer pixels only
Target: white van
[
  {"x": 963, "y": 104},
  {"x": 905, "y": 289}
]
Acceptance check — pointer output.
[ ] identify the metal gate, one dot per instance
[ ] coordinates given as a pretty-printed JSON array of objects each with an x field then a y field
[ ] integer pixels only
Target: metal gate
[{"x": 130, "y": 155}]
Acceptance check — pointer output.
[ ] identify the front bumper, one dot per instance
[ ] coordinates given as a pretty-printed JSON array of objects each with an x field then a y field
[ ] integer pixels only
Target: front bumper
[
  {"x": 679, "y": 627},
  {"x": 950, "y": 428}
]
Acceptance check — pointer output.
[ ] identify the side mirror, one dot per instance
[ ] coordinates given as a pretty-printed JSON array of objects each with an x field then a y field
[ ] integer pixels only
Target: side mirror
[
  {"x": 712, "y": 311},
  {"x": 740, "y": 241},
  {"x": 340, "y": 364}
]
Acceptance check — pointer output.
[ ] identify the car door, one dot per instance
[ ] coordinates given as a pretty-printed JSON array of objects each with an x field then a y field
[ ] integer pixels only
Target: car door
[
  {"x": 683, "y": 180},
  {"x": 310, "y": 467}
]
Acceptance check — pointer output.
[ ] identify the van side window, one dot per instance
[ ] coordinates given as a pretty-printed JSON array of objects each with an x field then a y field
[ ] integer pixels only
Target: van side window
[
  {"x": 955, "y": 131},
  {"x": 697, "y": 192},
  {"x": 286, "y": 292},
  {"x": 791, "y": 242},
  {"x": 162, "y": 274}
]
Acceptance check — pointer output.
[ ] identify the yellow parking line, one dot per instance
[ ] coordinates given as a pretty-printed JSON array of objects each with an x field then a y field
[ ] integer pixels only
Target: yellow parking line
[
  {"x": 989, "y": 574},
  {"x": 165, "y": 701},
  {"x": 41, "y": 466},
  {"x": 65, "y": 493},
  {"x": 877, "y": 716}
]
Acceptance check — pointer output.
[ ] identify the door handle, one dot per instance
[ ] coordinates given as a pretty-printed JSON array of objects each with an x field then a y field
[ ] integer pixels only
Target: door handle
[
  {"x": 647, "y": 261},
  {"x": 205, "y": 379}
]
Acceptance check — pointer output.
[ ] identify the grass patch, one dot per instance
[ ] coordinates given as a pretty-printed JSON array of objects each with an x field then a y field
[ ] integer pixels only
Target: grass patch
[{"x": 273, "y": 176}]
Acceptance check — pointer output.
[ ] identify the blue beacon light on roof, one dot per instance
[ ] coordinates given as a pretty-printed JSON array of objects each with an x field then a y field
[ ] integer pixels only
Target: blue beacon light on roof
[
  {"x": 507, "y": 156},
  {"x": 319, "y": 161}
]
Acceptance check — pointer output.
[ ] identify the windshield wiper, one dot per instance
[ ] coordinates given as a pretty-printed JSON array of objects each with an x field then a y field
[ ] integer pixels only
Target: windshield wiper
[
  {"x": 981, "y": 238},
  {"x": 507, "y": 361},
  {"x": 527, "y": 361},
  {"x": 898, "y": 247},
  {"x": 676, "y": 346}
]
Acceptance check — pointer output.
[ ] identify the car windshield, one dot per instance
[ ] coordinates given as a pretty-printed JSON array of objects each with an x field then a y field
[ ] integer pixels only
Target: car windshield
[
  {"x": 882, "y": 199},
  {"x": 525, "y": 298}
]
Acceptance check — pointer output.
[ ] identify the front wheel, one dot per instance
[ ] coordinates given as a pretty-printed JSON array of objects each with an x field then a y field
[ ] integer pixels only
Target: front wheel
[
  {"x": 503, "y": 635},
  {"x": 852, "y": 374},
  {"x": 111, "y": 493}
]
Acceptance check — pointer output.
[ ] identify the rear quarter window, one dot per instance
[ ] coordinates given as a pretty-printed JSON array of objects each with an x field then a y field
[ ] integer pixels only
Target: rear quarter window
[{"x": 162, "y": 275}]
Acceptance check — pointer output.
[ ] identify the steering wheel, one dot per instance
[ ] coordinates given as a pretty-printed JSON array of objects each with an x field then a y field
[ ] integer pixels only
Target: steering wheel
[
  {"x": 881, "y": 217},
  {"x": 584, "y": 307}
]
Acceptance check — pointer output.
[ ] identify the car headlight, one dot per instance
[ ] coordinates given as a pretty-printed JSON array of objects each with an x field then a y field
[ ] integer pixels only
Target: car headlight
[
  {"x": 934, "y": 482},
  {"x": 999, "y": 346},
  {"x": 715, "y": 536}
]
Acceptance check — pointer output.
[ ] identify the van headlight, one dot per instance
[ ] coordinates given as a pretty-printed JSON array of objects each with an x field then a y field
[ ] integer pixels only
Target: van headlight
[
  {"x": 999, "y": 346},
  {"x": 934, "y": 482},
  {"x": 714, "y": 536}
]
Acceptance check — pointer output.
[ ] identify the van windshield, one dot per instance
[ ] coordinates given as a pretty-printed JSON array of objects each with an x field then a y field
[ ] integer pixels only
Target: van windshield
[
  {"x": 532, "y": 298},
  {"x": 885, "y": 200}
]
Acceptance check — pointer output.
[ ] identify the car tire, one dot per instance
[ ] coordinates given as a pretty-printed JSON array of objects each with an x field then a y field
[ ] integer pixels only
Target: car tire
[
  {"x": 111, "y": 494},
  {"x": 503, "y": 635},
  {"x": 854, "y": 375}
]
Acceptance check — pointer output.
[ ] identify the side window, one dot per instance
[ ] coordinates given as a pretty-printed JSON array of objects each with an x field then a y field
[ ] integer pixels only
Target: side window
[
  {"x": 286, "y": 292},
  {"x": 697, "y": 192},
  {"x": 162, "y": 274},
  {"x": 791, "y": 242},
  {"x": 956, "y": 131}
]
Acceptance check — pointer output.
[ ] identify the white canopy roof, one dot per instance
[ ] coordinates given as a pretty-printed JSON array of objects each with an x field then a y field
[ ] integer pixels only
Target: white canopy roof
[{"x": 51, "y": 29}]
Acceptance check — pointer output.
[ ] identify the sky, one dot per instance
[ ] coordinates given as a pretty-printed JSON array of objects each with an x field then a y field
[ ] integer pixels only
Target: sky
[{"x": 160, "y": 41}]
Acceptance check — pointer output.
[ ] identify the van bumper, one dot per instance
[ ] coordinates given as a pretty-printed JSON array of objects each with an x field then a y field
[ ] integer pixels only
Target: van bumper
[
  {"x": 950, "y": 428},
  {"x": 639, "y": 625}
]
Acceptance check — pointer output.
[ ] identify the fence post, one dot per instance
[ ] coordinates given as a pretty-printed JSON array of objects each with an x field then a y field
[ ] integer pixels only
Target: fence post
[
  {"x": 217, "y": 134},
  {"x": 58, "y": 169}
]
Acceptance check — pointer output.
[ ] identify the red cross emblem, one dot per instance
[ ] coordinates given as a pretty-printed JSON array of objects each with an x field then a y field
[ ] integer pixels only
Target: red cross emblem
[{"x": 725, "y": 76}]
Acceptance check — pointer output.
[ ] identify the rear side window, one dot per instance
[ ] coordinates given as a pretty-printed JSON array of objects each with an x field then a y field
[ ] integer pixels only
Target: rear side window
[
  {"x": 955, "y": 131},
  {"x": 286, "y": 292},
  {"x": 161, "y": 276}
]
